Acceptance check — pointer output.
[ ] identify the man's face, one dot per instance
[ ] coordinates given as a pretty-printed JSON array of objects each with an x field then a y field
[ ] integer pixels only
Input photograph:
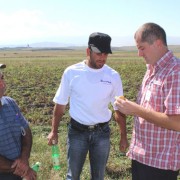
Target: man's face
[
  {"x": 96, "y": 60},
  {"x": 2, "y": 85},
  {"x": 150, "y": 52}
]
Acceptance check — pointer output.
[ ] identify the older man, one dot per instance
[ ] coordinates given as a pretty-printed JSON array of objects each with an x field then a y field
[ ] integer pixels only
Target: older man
[{"x": 15, "y": 139}]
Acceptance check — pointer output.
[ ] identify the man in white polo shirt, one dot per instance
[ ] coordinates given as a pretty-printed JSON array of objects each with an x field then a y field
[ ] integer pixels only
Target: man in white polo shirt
[{"x": 89, "y": 86}]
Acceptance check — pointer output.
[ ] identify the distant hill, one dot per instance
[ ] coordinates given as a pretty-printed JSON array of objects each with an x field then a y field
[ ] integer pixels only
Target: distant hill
[
  {"x": 47, "y": 47},
  {"x": 81, "y": 41},
  {"x": 174, "y": 48},
  {"x": 49, "y": 44}
]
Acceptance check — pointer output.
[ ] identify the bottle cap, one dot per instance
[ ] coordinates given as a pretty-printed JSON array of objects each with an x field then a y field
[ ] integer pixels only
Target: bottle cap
[
  {"x": 53, "y": 141},
  {"x": 38, "y": 163}
]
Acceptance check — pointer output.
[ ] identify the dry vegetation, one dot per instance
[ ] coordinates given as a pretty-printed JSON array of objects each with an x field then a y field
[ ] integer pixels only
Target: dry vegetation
[{"x": 33, "y": 76}]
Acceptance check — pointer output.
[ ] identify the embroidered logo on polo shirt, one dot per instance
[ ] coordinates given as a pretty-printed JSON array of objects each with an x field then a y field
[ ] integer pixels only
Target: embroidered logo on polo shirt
[{"x": 105, "y": 81}]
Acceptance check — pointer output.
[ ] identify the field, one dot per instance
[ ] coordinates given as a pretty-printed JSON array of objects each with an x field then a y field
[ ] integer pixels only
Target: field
[{"x": 33, "y": 76}]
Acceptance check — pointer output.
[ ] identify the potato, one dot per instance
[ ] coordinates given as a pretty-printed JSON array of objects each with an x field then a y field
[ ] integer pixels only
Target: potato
[{"x": 121, "y": 97}]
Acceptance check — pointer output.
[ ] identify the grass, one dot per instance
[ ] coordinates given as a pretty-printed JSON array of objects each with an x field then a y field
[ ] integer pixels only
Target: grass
[{"x": 32, "y": 78}]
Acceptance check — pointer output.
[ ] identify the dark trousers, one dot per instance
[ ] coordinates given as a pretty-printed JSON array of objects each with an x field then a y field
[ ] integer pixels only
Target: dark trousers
[
  {"x": 144, "y": 172},
  {"x": 9, "y": 176}
]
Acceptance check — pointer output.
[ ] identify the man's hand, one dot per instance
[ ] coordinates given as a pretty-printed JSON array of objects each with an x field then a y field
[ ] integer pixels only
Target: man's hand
[
  {"x": 126, "y": 107},
  {"x": 20, "y": 167},
  {"x": 52, "y": 137},
  {"x": 31, "y": 174},
  {"x": 123, "y": 145}
]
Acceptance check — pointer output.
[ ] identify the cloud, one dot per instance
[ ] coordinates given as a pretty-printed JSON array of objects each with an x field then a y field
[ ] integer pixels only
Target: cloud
[{"x": 28, "y": 25}]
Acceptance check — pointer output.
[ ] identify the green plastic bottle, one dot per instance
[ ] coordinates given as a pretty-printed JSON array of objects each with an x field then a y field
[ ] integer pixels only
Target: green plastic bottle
[
  {"x": 36, "y": 166},
  {"x": 55, "y": 156}
]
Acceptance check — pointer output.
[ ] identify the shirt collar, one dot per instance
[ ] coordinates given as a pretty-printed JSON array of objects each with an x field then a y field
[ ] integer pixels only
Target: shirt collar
[
  {"x": 161, "y": 63},
  {"x": 3, "y": 101}
]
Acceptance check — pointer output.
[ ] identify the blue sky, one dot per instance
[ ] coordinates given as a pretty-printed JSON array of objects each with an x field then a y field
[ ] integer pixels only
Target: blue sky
[{"x": 71, "y": 21}]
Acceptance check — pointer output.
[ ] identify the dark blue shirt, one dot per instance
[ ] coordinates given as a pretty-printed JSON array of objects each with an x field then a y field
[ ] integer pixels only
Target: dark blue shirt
[{"x": 12, "y": 127}]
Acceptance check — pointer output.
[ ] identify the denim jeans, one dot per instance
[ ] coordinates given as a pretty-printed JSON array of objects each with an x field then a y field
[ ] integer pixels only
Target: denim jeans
[{"x": 80, "y": 143}]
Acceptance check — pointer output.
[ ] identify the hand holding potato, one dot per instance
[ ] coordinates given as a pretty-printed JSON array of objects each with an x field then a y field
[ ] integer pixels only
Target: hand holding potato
[{"x": 125, "y": 106}]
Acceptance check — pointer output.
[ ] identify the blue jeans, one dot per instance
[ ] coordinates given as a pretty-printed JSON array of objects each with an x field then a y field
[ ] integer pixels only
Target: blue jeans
[{"x": 79, "y": 143}]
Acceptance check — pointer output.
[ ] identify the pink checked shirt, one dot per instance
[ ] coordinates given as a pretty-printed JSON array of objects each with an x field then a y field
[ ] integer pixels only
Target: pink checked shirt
[{"x": 160, "y": 91}]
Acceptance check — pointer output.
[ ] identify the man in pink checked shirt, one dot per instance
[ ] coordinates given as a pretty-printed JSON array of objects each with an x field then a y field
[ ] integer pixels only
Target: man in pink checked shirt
[{"x": 155, "y": 145}]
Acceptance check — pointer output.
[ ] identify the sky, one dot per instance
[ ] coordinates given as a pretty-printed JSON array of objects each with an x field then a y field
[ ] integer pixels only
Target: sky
[{"x": 72, "y": 21}]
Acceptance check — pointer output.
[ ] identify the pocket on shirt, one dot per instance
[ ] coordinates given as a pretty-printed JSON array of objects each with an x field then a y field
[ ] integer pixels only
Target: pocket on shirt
[{"x": 157, "y": 97}]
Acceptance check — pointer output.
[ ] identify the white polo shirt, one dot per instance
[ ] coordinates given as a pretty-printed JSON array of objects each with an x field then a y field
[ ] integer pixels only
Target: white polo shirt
[{"x": 89, "y": 91}]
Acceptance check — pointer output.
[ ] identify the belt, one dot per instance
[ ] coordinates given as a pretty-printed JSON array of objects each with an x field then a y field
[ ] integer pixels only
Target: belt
[{"x": 83, "y": 127}]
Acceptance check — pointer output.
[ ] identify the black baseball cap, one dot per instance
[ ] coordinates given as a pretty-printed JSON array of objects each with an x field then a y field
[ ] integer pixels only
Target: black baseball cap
[
  {"x": 2, "y": 66},
  {"x": 100, "y": 43}
]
